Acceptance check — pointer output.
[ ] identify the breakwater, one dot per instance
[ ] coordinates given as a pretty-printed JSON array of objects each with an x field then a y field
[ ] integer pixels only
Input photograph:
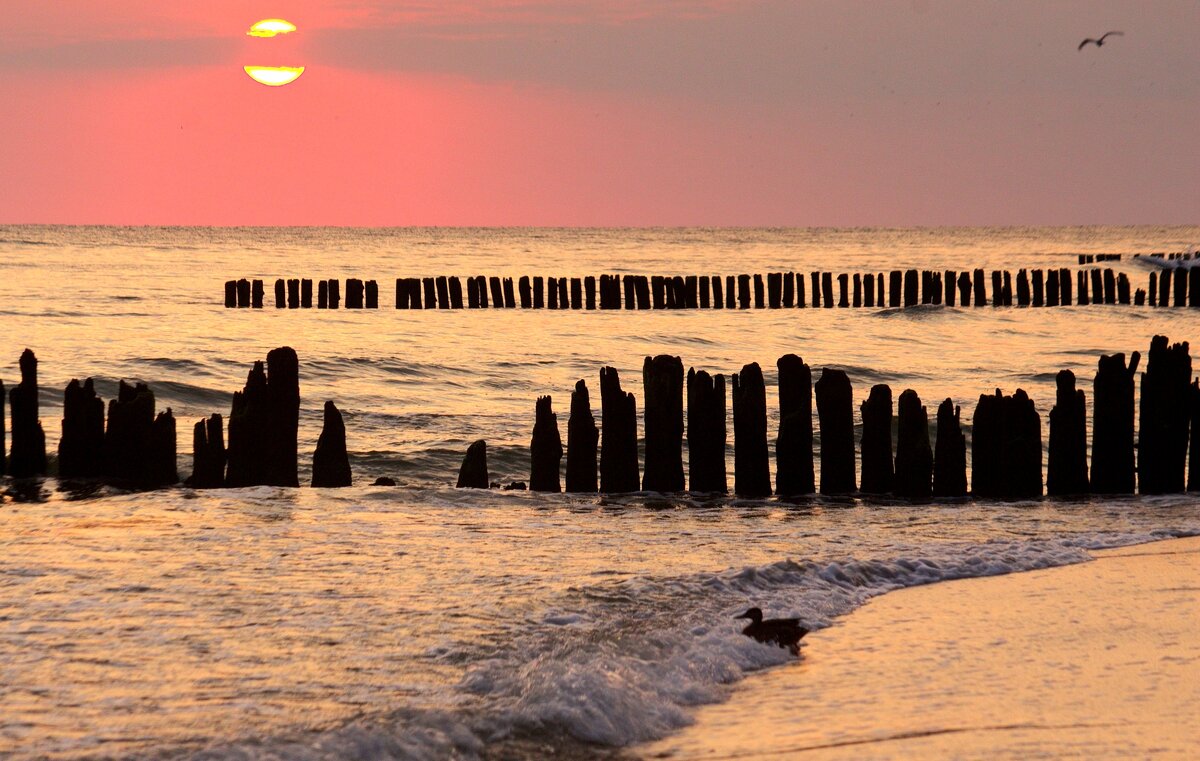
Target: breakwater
[{"x": 1054, "y": 287}]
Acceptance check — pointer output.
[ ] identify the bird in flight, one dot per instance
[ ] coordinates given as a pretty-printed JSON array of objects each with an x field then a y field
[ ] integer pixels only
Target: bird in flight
[{"x": 1100, "y": 41}]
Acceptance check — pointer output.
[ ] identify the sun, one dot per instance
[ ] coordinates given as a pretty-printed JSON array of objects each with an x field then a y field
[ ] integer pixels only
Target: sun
[{"x": 272, "y": 76}]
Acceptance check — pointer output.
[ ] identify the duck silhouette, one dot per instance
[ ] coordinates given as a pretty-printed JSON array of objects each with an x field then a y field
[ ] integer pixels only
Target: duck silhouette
[{"x": 784, "y": 632}]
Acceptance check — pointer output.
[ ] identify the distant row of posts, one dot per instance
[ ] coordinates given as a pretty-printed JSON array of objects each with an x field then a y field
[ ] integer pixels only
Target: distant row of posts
[{"x": 775, "y": 290}]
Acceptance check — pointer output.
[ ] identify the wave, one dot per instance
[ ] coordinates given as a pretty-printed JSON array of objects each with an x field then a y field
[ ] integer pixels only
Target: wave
[{"x": 614, "y": 664}]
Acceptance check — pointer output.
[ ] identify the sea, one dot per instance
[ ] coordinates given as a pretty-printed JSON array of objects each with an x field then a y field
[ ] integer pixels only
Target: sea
[{"x": 424, "y": 622}]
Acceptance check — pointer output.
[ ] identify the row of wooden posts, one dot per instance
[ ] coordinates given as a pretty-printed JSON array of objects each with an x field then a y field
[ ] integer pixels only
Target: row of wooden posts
[
  {"x": 1036, "y": 288},
  {"x": 137, "y": 447},
  {"x": 1006, "y": 436}
]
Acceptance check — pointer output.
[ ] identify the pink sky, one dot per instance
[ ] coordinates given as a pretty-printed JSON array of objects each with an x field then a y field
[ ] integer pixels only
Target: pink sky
[{"x": 601, "y": 112}]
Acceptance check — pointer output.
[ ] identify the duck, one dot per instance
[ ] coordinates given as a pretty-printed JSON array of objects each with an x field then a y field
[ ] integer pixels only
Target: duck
[{"x": 784, "y": 632}]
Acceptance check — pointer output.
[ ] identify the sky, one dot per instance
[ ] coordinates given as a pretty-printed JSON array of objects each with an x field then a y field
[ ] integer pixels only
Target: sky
[{"x": 601, "y": 112}]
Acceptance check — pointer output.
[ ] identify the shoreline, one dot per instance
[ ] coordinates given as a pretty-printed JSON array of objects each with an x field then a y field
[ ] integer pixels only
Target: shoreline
[{"x": 1097, "y": 658}]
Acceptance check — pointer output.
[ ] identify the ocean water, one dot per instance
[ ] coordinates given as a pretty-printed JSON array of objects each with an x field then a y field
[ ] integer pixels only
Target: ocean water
[{"x": 425, "y": 622}]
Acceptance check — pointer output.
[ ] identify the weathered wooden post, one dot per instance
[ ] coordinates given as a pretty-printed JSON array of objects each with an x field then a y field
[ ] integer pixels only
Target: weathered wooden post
[
  {"x": 293, "y": 293},
  {"x": 456, "y": 294},
  {"x": 1081, "y": 284},
  {"x": 510, "y": 298},
  {"x": 208, "y": 454},
  {"x": 964, "y": 289},
  {"x": 938, "y": 287},
  {"x": 539, "y": 292},
  {"x": 81, "y": 448},
  {"x": 914, "y": 456},
  {"x": 730, "y": 292},
  {"x": 428, "y": 288},
  {"x": 552, "y": 295},
  {"x": 980, "y": 289},
  {"x": 1163, "y": 429},
  {"x": 857, "y": 291},
  {"x": 751, "y": 463},
  {"x": 1066, "y": 470},
  {"x": 256, "y": 293},
  {"x": 642, "y": 290},
  {"x": 243, "y": 293},
  {"x": 474, "y": 471},
  {"x": 283, "y": 400},
  {"x": 789, "y": 289},
  {"x": 161, "y": 469},
  {"x": 371, "y": 289},
  {"x": 1181, "y": 285},
  {"x": 589, "y": 291},
  {"x": 127, "y": 438},
  {"x": 331, "y": 463},
  {"x": 926, "y": 287},
  {"x": 280, "y": 294},
  {"x": 582, "y": 440},
  {"x": 1139, "y": 297},
  {"x": 794, "y": 473},
  {"x": 869, "y": 290},
  {"x": 835, "y": 413},
  {"x": 28, "y": 457},
  {"x": 843, "y": 290},
  {"x": 950, "y": 456},
  {"x": 1006, "y": 447},
  {"x": 1122, "y": 288},
  {"x": 618, "y": 448},
  {"x": 1097, "y": 286},
  {"x": 816, "y": 289},
  {"x": 1022, "y": 288},
  {"x": 1064, "y": 284},
  {"x": 774, "y": 289},
  {"x": 706, "y": 432},
  {"x": 1110, "y": 287},
  {"x": 800, "y": 298},
  {"x": 704, "y": 292},
  {"x": 895, "y": 288},
  {"x": 662, "y": 388},
  {"x": 1052, "y": 288},
  {"x": 323, "y": 295},
  {"x": 878, "y": 469},
  {"x": 472, "y": 293},
  {"x": 1112, "y": 425},
  {"x": 997, "y": 289},
  {"x": 306, "y": 293},
  {"x": 230, "y": 294},
  {"x": 1164, "y": 288},
  {"x": 827, "y": 290},
  {"x": 759, "y": 292},
  {"x": 545, "y": 449},
  {"x": 576, "y": 296},
  {"x": 718, "y": 298},
  {"x": 354, "y": 293},
  {"x": 1008, "y": 289}
]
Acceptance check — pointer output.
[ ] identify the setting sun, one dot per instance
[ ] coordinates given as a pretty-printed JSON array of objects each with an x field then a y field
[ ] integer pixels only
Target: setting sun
[{"x": 274, "y": 76}]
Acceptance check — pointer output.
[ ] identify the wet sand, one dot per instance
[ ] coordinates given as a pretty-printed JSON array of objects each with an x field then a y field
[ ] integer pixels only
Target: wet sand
[{"x": 1097, "y": 660}]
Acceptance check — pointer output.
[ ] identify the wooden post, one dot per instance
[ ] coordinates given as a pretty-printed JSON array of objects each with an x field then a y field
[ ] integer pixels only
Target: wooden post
[
  {"x": 774, "y": 289},
  {"x": 127, "y": 439},
  {"x": 280, "y": 294},
  {"x": 230, "y": 294},
  {"x": 1097, "y": 286},
  {"x": 1163, "y": 429},
  {"x": 843, "y": 295},
  {"x": 1139, "y": 297},
  {"x": 1008, "y": 289},
  {"x": 1181, "y": 286},
  {"x": 456, "y": 294},
  {"x": 980, "y": 289},
  {"x": 81, "y": 448},
  {"x": 1006, "y": 447},
  {"x": 428, "y": 285},
  {"x": 816, "y": 289},
  {"x": 914, "y": 456},
  {"x": 1064, "y": 284},
  {"x": 878, "y": 469},
  {"x": 1194, "y": 453},
  {"x": 1066, "y": 470},
  {"x": 372, "y": 293},
  {"x": 1052, "y": 288},
  {"x": 1194, "y": 287},
  {"x": 28, "y": 456},
  {"x": 1110, "y": 287},
  {"x": 256, "y": 293},
  {"x": 662, "y": 388},
  {"x": 243, "y": 293},
  {"x": 910, "y": 288},
  {"x": 510, "y": 300},
  {"x": 789, "y": 289},
  {"x": 582, "y": 439},
  {"x": 950, "y": 284},
  {"x": 950, "y": 456},
  {"x": 323, "y": 295},
  {"x": 730, "y": 292},
  {"x": 857, "y": 298},
  {"x": 658, "y": 288},
  {"x": 964, "y": 289},
  {"x": 706, "y": 432},
  {"x": 496, "y": 286},
  {"x": 545, "y": 449},
  {"x": 938, "y": 287},
  {"x": 335, "y": 293},
  {"x": 1112, "y": 425},
  {"x": 208, "y": 454},
  {"x": 642, "y": 290},
  {"x": 474, "y": 471},
  {"x": 835, "y": 412},
  {"x": 1122, "y": 288},
  {"x": 869, "y": 290},
  {"x": 997, "y": 289},
  {"x": 794, "y": 448},
  {"x": 1164, "y": 288},
  {"x": 800, "y": 300},
  {"x": 618, "y": 449},
  {"x": 895, "y": 288},
  {"x": 926, "y": 287},
  {"x": 1022, "y": 288},
  {"x": 718, "y": 298},
  {"x": 751, "y": 469},
  {"x": 589, "y": 292},
  {"x": 1081, "y": 283},
  {"x": 331, "y": 463},
  {"x": 539, "y": 299},
  {"x": 576, "y": 298}
]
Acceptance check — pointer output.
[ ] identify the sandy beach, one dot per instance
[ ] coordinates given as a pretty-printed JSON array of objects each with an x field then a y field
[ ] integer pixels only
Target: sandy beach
[{"x": 1097, "y": 660}]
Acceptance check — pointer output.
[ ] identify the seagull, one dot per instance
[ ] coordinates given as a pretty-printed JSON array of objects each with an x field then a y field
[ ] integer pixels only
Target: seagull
[
  {"x": 784, "y": 632},
  {"x": 1100, "y": 41}
]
